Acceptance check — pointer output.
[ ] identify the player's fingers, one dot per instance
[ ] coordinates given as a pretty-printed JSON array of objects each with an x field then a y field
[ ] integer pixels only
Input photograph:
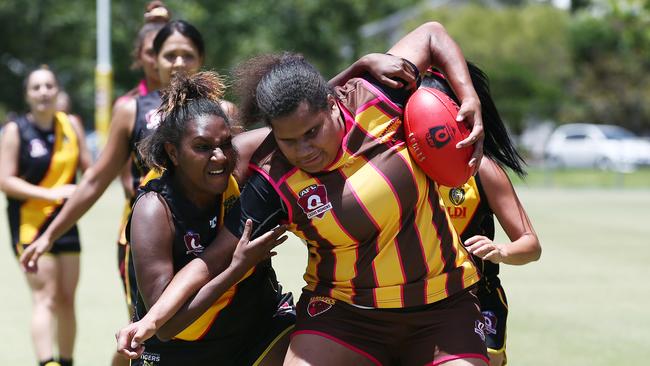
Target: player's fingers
[
  {"x": 390, "y": 82},
  {"x": 477, "y": 156},
  {"x": 473, "y": 240},
  {"x": 248, "y": 227}
]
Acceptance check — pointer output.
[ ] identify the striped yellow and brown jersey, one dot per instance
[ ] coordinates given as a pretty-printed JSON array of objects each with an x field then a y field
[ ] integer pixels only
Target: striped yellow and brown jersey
[
  {"x": 376, "y": 230},
  {"x": 243, "y": 305},
  {"x": 471, "y": 215},
  {"x": 48, "y": 159}
]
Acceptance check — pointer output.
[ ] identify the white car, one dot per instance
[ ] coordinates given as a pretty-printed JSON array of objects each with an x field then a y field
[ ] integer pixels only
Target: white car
[{"x": 600, "y": 146}]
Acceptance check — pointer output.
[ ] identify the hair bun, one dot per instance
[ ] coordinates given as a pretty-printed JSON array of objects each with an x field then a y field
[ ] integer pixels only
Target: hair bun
[{"x": 156, "y": 11}]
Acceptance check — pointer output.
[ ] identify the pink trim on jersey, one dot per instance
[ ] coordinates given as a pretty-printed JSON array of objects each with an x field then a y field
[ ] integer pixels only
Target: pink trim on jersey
[
  {"x": 381, "y": 96},
  {"x": 142, "y": 87},
  {"x": 276, "y": 185},
  {"x": 444, "y": 359},
  {"x": 342, "y": 343}
]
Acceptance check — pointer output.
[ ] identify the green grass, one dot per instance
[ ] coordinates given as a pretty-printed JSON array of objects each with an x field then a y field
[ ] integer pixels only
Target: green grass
[
  {"x": 585, "y": 178},
  {"x": 584, "y": 303}
]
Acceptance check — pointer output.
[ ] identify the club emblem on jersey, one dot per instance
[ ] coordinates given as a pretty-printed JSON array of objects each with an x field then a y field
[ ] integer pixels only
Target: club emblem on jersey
[
  {"x": 457, "y": 196},
  {"x": 153, "y": 119},
  {"x": 150, "y": 358},
  {"x": 37, "y": 148},
  {"x": 313, "y": 201},
  {"x": 438, "y": 136},
  {"x": 319, "y": 304},
  {"x": 213, "y": 222},
  {"x": 193, "y": 243},
  {"x": 490, "y": 322}
]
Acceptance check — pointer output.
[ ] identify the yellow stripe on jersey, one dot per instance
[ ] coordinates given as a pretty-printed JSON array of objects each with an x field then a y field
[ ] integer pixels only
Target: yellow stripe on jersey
[
  {"x": 461, "y": 203},
  {"x": 200, "y": 326},
  {"x": 344, "y": 250},
  {"x": 61, "y": 171}
]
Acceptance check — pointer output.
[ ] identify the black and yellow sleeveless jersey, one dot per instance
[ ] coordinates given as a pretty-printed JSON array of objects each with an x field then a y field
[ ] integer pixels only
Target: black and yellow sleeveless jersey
[
  {"x": 48, "y": 159},
  {"x": 471, "y": 215},
  {"x": 243, "y": 306},
  {"x": 376, "y": 230},
  {"x": 146, "y": 121}
]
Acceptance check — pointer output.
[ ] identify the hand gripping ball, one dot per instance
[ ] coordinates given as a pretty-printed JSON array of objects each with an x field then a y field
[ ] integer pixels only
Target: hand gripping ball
[{"x": 432, "y": 134}]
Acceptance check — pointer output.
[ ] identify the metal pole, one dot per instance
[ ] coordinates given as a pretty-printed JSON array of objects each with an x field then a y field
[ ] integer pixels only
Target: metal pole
[{"x": 103, "y": 71}]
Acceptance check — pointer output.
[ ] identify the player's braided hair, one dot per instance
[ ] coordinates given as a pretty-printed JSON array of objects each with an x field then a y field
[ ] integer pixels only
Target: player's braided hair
[
  {"x": 184, "y": 100},
  {"x": 272, "y": 86}
]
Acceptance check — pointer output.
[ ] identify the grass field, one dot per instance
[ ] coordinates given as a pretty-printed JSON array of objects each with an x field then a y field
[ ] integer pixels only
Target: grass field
[{"x": 584, "y": 303}]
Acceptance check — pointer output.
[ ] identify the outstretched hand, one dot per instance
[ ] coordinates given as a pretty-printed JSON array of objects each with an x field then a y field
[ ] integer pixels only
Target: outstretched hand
[
  {"x": 470, "y": 114},
  {"x": 31, "y": 254},
  {"x": 249, "y": 253}
]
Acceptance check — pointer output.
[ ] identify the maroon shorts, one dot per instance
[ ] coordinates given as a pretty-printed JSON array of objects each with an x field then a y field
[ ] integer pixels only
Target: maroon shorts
[{"x": 432, "y": 334}]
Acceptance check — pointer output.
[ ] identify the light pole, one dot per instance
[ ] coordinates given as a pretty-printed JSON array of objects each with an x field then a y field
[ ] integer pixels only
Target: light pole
[{"x": 103, "y": 71}]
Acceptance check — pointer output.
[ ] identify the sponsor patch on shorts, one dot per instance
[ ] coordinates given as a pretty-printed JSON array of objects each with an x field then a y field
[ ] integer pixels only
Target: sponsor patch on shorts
[
  {"x": 490, "y": 322},
  {"x": 150, "y": 358},
  {"x": 319, "y": 304},
  {"x": 479, "y": 328}
]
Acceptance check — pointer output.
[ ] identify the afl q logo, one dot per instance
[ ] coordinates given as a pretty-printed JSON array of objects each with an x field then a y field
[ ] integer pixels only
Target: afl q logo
[
  {"x": 438, "y": 136},
  {"x": 456, "y": 196}
]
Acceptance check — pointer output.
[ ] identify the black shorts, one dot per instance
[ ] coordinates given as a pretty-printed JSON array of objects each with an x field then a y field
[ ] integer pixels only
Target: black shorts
[
  {"x": 494, "y": 307},
  {"x": 127, "y": 275},
  {"x": 431, "y": 334},
  {"x": 242, "y": 349},
  {"x": 65, "y": 246}
]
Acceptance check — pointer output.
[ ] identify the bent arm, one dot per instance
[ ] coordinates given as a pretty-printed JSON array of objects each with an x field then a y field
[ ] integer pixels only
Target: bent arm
[
  {"x": 152, "y": 249},
  {"x": 99, "y": 176},
  {"x": 12, "y": 185},
  {"x": 431, "y": 45},
  {"x": 213, "y": 261},
  {"x": 502, "y": 198}
]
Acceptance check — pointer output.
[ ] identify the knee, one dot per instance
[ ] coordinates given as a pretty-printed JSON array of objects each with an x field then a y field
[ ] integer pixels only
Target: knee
[{"x": 64, "y": 301}]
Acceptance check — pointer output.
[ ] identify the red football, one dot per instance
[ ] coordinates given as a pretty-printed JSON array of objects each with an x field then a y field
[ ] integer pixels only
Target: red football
[{"x": 432, "y": 134}]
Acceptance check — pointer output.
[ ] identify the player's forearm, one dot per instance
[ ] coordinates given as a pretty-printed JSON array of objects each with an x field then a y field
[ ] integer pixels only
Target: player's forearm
[
  {"x": 207, "y": 295},
  {"x": 447, "y": 56},
  {"x": 18, "y": 188},
  {"x": 87, "y": 193},
  {"x": 524, "y": 250},
  {"x": 350, "y": 72}
]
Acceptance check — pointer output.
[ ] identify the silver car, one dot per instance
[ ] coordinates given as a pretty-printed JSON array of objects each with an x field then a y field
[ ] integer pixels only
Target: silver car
[{"x": 600, "y": 146}]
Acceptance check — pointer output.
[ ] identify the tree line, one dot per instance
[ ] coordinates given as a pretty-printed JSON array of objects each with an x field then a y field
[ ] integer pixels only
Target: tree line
[{"x": 588, "y": 64}]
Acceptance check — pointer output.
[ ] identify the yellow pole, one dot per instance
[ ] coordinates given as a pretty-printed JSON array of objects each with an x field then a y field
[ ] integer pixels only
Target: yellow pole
[
  {"x": 103, "y": 97},
  {"x": 103, "y": 72}
]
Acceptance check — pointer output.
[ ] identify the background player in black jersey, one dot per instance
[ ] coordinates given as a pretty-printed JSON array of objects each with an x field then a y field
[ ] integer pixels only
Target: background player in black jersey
[
  {"x": 40, "y": 154},
  {"x": 179, "y": 47},
  {"x": 473, "y": 206}
]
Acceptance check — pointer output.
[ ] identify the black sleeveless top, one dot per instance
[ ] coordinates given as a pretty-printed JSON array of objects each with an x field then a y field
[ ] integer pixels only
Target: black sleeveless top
[{"x": 241, "y": 308}]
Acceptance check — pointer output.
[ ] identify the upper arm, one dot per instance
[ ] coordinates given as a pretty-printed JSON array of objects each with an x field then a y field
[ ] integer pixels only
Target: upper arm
[
  {"x": 246, "y": 143},
  {"x": 9, "y": 147},
  {"x": 85, "y": 160},
  {"x": 417, "y": 45},
  {"x": 117, "y": 150},
  {"x": 152, "y": 249},
  {"x": 503, "y": 200}
]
